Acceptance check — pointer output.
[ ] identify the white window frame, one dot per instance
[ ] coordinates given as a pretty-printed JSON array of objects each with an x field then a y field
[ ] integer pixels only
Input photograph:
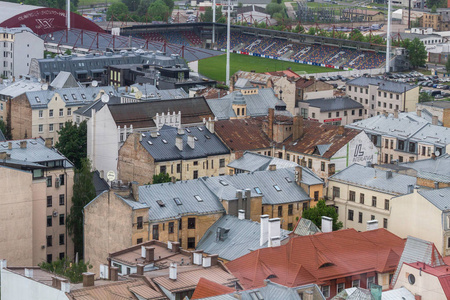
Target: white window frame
[
  {"x": 326, "y": 291},
  {"x": 356, "y": 281}
]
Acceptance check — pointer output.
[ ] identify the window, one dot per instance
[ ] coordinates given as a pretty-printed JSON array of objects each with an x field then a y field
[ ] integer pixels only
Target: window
[
  {"x": 196, "y": 163},
  {"x": 49, "y": 258},
  {"x": 61, "y": 239},
  {"x": 49, "y": 201},
  {"x": 385, "y": 94},
  {"x": 49, "y": 241},
  {"x": 140, "y": 223},
  {"x": 385, "y": 223},
  {"x": 61, "y": 179},
  {"x": 195, "y": 175},
  {"x": 352, "y": 196},
  {"x": 360, "y": 217},
  {"x": 316, "y": 195},
  {"x": 340, "y": 287},
  {"x": 49, "y": 221},
  {"x": 390, "y": 95},
  {"x": 370, "y": 281},
  {"x": 397, "y": 97},
  {"x": 277, "y": 188},
  {"x": 309, "y": 163},
  {"x": 41, "y": 128},
  {"x": 50, "y": 127},
  {"x": 222, "y": 163},
  {"x": 61, "y": 112},
  {"x": 69, "y": 111},
  {"x": 50, "y": 113},
  {"x": 139, "y": 241},
  {"x": 326, "y": 291},
  {"x": 374, "y": 201},
  {"x": 61, "y": 255},
  {"x": 401, "y": 145},
  {"x": 355, "y": 283},
  {"x": 191, "y": 223},
  {"x": 171, "y": 226},
  {"x": 49, "y": 181},
  {"x": 350, "y": 215},
  {"x": 61, "y": 219},
  {"x": 336, "y": 192},
  {"x": 180, "y": 224},
  {"x": 386, "y": 204},
  {"x": 162, "y": 169},
  {"x": 191, "y": 242},
  {"x": 41, "y": 114},
  {"x": 290, "y": 209},
  {"x": 305, "y": 206},
  {"x": 61, "y": 199},
  {"x": 337, "y": 114},
  {"x": 61, "y": 125},
  {"x": 280, "y": 211},
  {"x": 412, "y": 147},
  {"x": 349, "y": 88}
]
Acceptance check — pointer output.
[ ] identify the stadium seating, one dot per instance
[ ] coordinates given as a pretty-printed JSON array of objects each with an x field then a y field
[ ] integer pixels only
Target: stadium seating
[{"x": 186, "y": 38}]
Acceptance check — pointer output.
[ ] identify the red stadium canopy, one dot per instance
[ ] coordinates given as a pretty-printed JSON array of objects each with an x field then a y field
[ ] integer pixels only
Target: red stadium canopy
[{"x": 47, "y": 20}]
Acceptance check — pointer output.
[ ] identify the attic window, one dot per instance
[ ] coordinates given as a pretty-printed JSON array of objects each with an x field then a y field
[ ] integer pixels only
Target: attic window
[
  {"x": 328, "y": 264},
  {"x": 197, "y": 197},
  {"x": 223, "y": 183},
  {"x": 65, "y": 97},
  {"x": 83, "y": 96},
  {"x": 164, "y": 141},
  {"x": 160, "y": 203},
  {"x": 37, "y": 99},
  {"x": 149, "y": 142},
  {"x": 256, "y": 295},
  {"x": 74, "y": 97},
  {"x": 271, "y": 276},
  {"x": 257, "y": 190},
  {"x": 288, "y": 179},
  {"x": 188, "y": 130},
  {"x": 177, "y": 201},
  {"x": 277, "y": 188}
]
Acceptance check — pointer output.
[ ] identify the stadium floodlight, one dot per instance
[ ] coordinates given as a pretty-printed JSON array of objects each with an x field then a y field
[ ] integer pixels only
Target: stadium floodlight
[
  {"x": 68, "y": 14},
  {"x": 228, "y": 44},
  {"x": 388, "y": 39},
  {"x": 214, "y": 23}
]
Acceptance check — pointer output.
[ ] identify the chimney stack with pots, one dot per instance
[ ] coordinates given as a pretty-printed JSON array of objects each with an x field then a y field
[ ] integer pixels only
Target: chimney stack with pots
[
  {"x": 149, "y": 254},
  {"x": 372, "y": 225},
  {"x": 274, "y": 230},
  {"x": 88, "y": 279},
  {"x": 241, "y": 214}
]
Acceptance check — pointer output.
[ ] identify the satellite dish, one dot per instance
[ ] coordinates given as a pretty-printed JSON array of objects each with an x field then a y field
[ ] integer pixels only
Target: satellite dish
[
  {"x": 437, "y": 153},
  {"x": 94, "y": 83},
  {"x": 105, "y": 98},
  {"x": 110, "y": 175},
  {"x": 138, "y": 95},
  {"x": 44, "y": 87}
]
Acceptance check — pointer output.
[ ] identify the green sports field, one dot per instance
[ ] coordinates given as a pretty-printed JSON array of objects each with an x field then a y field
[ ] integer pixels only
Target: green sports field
[{"x": 214, "y": 67}]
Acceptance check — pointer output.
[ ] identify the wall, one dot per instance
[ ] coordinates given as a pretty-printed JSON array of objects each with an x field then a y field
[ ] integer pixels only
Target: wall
[
  {"x": 287, "y": 221},
  {"x": 15, "y": 286},
  {"x": 39, "y": 191},
  {"x": 19, "y": 116},
  {"x": 26, "y": 46},
  {"x": 107, "y": 228}
]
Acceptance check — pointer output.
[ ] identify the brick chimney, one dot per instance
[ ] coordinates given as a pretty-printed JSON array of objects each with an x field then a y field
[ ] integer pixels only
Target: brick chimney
[
  {"x": 434, "y": 120},
  {"x": 23, "y": 144},
  {"x": 272, "y": 167},
  {"x": 270, "y": 125},
  {"x": 114, "y": 273},
  {"x": 140, "y": 269},
  {"x": 175, "y": 247},
  {"x": 446, "y": 117},
  {"x": 297, "y": 125},
  {"x": 298, "y": 175},
  {"x": 341, "y": 130},
  {"x": 396, "y": 113},
  {"x": 88, "y": 279},
  {"x": 48, "y": 142},
  {"x": 149, "y": 254}
]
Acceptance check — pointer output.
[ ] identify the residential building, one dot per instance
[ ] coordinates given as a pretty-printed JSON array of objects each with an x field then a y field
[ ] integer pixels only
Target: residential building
[
  {"x": 368, "y": 257},
  {"x": 404, "y": 138},
  {"x": 423, "y": 204},
  {"x": 246, "y": 103},
  {"x": 432, "y": 20},
  {"x": 337, "y": 111},
  {"x": 183, "y": 153},
  {"x": 361, "y": 194},
  {"x": 37, "y": 184},
  {"x": 250, "y": 162},
  {"x": 110, "y": 125},
  {"x": 92, "y": 67},
  {"x": 19, "y": 46},
  {"x": 231, "y": 237},
  {"x": 441, "y": 109},
  {"x": 379, "y": 96},
  {"x": 323, "y": 148}
]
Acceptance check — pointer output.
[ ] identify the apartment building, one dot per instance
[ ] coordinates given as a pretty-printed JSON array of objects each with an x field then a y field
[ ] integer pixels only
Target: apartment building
[
  {"x": 404, "y": 138},
  {"x": 361, "y": 194},
  {"x": 17, "y": 47},
  {"x": 431, "y": 20},
  {"x": 378, "y": 95},
  {"x": 37, "y": 196}
]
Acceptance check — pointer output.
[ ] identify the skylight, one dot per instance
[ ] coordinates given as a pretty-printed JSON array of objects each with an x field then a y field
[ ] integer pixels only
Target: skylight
[
  {"x": 195, "y": 138},
  {"x": 207, "y": 137},
  {"x": 74, "y": 97},
  {"x": 164, "y": 141},
  {"x": 277, "y": 188},
  {"x": 197, "y": 197},
  {"x": 65, "y": 97},
  {"x": 83, "y": 96},
  {"x": 257, "y": 190},
  {"x": 37, "y": 99},
  {"x": 223, "y": 183},
  {"x": 200, "y": 129},
  {"x": 288, "y": 179},
  {"x": 160, "y": 203},
  {"x": 149, "y": 142},
  {"x": 188, "y": 130},
  {"x": 177, "y": 201}
]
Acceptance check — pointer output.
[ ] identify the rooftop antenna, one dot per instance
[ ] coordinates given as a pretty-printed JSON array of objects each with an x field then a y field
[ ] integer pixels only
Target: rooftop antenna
[{"x": 388, "y": 41}]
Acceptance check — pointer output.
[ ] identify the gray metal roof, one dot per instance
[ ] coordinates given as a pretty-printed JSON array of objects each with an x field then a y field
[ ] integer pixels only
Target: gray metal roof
[
  {"x": 257, "y": 104},
  {"x": 243, "y": 237},
  {"x": 225, "y": 186},
  {"x": 354, "y": 294},
  {"x": 151, "y": 92},
  {"x": 97, "y": 105},
  {"x": 333, "y": 104},
  {"x": 439, "y": 197},
  {"x": 400, "y": 293},
  {"x": 14, "y": 89},
  {"x": 432, "y": 169},
  {"x": 418, "y": 250},
  {"x": 374, "y": 179},
  {"x": 162, "y": 147},
  {"x": 306, "y": 227},
  {"x": 99, "y": 183},
  {"x": 383, "y": 85},
  {"x": 64, "y": 80},
  {"x": 71, "y": 96}
]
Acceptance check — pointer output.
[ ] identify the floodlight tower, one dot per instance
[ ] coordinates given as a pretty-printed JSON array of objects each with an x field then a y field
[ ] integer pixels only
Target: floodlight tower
[
  {"x": 228, "y": 44},
  {"x": 388, "y": 39},
  {"x": 214, "y": 22},
  {"x": 68, "y": 14}
]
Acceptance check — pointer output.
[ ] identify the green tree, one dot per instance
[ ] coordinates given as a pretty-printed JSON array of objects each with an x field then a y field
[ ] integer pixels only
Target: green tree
[
  {"x": 273, "y": 8},
  {"x": 433, "y": 9},
  {"x": 158, "y": 11},
  {"x": 161, "y": 178},
  {"x": 312, "y": 31},
  {"x": 425, "y": 97},
  {"x": 143, "y": 7},
  {"x": 73, "y": 271},
  {"x": 321, "y": 209},
  {"x": 170, "y": 4},
  {"x": 118, "y": 9},
  {"x": 6, "y": 129},
  {"x": 356, "y": 35},
  {"x": 131, "y": 4},
  {"x": 447, "y": 65},
  {"x": 83, "y": 193},
  {"x": 417, "y": 53},
  {"x": 72, "y": 142}
]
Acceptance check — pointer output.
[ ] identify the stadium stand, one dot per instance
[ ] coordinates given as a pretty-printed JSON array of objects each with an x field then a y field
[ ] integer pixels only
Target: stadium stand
[{"x": 186, "y": 38}]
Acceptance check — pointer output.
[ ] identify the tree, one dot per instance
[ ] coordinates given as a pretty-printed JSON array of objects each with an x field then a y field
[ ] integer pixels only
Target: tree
[
  {"x": 118, "y": 9},
  {"x": 433, "y": 9},
  {"x": 425, "y": 97},
  {"x": 417, "y": 53},
  {"x": 158, "y": 11},
  {"x": 72, "y": 142},
  {"x": 161, "y": 178},
  {"x": 143, "y": 7},
  {"x": 356, "y": 35},
  {"x": 131, "y": 4},
  {"x": 312, "y": 31},
  {"x": 83, "y": 193},
  {"x": 273, "y": 8},
  {"x": 321, "y": 209},
  {"x": 72, "y": 270}
]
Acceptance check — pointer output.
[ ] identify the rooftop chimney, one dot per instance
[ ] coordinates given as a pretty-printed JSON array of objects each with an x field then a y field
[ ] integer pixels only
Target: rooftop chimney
[
  {"x": 173, "y": 271},
  {"x": 114, "y": 271},
  {"x": 275, "y": 241},
  {"x": 341, "y": 130},
  {"x": 143, "y": 251},
  {"x": 410, "y": 188},
  {"x": 388, "y": 174},
  {"x": 270, "y": 128},
  {"x": 179, "y": 143},
  {"x": 48, "y": 142},
  {"x": 191, "y": 141},
  {"x": 264, "y": 234},
  {"x": 241, "y": 214},
  {"x": 419, "y": 113},
  {"x": 210, "y": 125},
  {"x": 274, "y": 229},
  {"x": 214, "y": 259},
  {"x": 434, "y": 120},
  {"x": 327, "y": 224},
  {"x": 180, "y": 131},
  {"x": 10, "y": 145},
  {"x": 272, "y": 167},
  {"x": 197, "y": 257},
  {"x": 88, "y": 279},
  {"x": 206, "y": 262},
  {"x": 175, "y": 247},
  {"x": 65, "y": 286},
  {"x": 385, "y": 113},
  {"x": 297, "y": 125},
  {"x": 446, "y": 117},
  {"x": 140, "y": 269},
  {"x": 28, "y": 273},
  {"x": 372, "y": 224},
  {"x": 298, "y": 174},
  {"x": 135, "y": 190},
  {"x": 23, "y": 144},
  {"x": 149, "y": 254},
  {"x": 396, "y": 113}
]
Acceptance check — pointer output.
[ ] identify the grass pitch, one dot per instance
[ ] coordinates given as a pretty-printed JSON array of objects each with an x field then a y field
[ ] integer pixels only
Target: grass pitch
[{"x": 214, "y": 67}]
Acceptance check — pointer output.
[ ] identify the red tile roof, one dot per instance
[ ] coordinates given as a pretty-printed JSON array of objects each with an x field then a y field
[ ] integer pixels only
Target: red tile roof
[
  {"x": 319, "y": 258},
  {"x": 206, "y": 288}
]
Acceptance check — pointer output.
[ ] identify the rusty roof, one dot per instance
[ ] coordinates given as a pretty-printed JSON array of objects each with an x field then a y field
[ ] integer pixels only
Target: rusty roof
[
  {"x": 320, "y": 258},
  {"x": 207, "y": 288},
  {"x": 254, "y": 77}
]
